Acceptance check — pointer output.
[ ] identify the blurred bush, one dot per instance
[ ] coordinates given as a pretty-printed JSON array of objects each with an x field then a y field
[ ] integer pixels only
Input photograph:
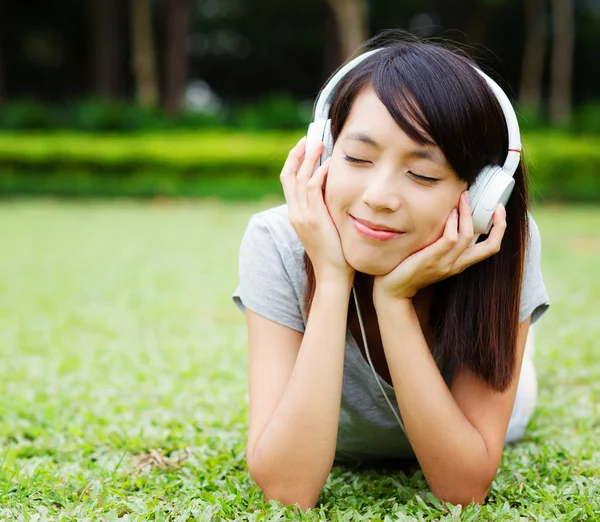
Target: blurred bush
[
  {"x": 530, "y": 119},
  {"x": 274, "y": 112},
  {"x": 279, "y": 111},
  {"x": 234, "y": 164},
  {"x": 110, "y": 116},
  {"x": 563, "y": 167},
  {"x": 586, "y": 119},
  {"x": 26, "y": 115}
]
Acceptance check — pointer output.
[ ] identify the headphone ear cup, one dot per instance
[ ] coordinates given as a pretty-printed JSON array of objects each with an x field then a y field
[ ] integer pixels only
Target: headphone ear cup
[
  {"x": 492, "y": 186},
  {"x": 477, "y": 188},
  {"x": 320, "y": 130},
  {"x": 327, "y": 141},
  {"x": 315, "y": 133}
]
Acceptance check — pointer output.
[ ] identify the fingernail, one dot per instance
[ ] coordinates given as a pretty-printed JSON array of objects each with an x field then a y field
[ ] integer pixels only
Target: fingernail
[
  {"x": 466, "y": 198},
  {"x": 454, "y": 213}
]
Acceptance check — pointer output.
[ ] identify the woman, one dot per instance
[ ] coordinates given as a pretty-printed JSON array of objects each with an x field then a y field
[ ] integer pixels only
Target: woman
[{"x": 445, "y": 321}]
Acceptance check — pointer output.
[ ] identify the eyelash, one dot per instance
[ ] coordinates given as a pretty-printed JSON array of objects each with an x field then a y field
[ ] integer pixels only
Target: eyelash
[{"x": 424, "y": 179}]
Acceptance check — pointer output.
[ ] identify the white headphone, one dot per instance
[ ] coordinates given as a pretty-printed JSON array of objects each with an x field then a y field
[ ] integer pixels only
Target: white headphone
[{"x": 493, "y": 184}]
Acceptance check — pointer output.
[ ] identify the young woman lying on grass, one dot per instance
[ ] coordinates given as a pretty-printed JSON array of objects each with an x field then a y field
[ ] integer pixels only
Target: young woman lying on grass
[{"x": 446, "y": 321}]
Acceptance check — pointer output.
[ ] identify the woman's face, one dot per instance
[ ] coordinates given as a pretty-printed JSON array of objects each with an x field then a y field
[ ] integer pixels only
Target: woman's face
[{"x": 385, "y": 188}]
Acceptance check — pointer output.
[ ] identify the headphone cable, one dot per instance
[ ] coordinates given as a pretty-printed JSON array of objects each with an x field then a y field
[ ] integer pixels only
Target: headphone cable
[{"x": 377, "y": 377}]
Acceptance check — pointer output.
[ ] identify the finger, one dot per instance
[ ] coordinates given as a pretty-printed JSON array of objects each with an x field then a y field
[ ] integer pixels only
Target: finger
[
  {"x": 444, "y": 244},
  {"x": 465, "y": 228},
  {"x": 289, "y": 171},
  {"x": 305, "y": 173},
  {"x": 450, "y": 236},
  {"x": 316, "y": 197},
  {"x": 295, "y": 158},
  {"x": 490, "y": 246}
]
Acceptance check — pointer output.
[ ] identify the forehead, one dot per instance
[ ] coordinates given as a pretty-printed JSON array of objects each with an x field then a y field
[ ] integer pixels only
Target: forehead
[{"x": 370, "y": 123}]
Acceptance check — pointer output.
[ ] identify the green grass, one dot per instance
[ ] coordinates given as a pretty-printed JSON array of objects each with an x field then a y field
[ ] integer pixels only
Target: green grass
[{"x": 118, "y": 337}]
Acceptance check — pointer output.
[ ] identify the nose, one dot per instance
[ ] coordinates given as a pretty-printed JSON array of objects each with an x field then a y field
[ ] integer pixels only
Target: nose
[{"x": 380, "y": 193}]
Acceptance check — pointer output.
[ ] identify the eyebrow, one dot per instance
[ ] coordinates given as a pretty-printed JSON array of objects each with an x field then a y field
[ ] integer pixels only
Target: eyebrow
[{"x": 424, "y": 152}]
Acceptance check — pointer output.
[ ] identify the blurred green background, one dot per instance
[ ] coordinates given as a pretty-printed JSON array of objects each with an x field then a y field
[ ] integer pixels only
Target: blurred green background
[
  {"x": 202, "y": 98},
  {"x": 118, "y": 337}
]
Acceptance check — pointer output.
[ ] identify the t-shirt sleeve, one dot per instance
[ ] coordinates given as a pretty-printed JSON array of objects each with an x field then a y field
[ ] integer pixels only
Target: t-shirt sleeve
[
  {"x": 265, "y": 286},
  {"x": 534, "y": 297}
]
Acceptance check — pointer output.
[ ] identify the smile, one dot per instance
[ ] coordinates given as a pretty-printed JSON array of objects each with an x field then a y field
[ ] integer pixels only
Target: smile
[{"x": 370, "y": 233}]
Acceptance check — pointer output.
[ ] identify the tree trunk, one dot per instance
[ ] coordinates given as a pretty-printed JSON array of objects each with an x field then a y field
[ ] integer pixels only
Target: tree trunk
[
  {"x": 352, "y": 22},
  {"x": 144, "y": 60},
  {"x": 331, "y": 55},
  {"x": 562, "y": 61},
  {"x": 104, "y": 16},
  {"x": 176, "y": 58},
  {"x": 530, "y": 92}
]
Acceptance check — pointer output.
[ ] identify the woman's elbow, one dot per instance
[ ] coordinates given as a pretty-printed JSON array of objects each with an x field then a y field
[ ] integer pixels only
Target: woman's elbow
[
  {"x": 464, "y": 496},
  {"x": 291, "y": 498},
  {"x": 285, "y": 494}
]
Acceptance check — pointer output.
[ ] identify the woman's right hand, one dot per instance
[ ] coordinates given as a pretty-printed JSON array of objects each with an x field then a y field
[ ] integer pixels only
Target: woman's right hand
[{"x": 309, "y": 215}]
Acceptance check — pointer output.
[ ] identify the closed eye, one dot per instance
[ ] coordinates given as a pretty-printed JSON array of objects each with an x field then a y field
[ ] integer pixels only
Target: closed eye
[
  {"x": 425, "y": 179},
  {"x": 350, "y": 159}
]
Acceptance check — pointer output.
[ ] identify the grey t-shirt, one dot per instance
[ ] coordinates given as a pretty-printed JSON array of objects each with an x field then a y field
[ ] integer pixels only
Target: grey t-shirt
[{"x": 272, "y": 283}]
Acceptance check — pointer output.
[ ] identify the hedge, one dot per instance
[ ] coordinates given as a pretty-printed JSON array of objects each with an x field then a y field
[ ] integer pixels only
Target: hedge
[{"x": 232, "y": 164}]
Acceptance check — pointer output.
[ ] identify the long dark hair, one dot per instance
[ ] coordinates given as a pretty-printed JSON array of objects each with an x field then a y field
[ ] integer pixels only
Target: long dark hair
[{"x": 436, "y": 97}]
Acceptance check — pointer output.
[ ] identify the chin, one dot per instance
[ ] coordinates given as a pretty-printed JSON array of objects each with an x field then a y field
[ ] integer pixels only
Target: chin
[{"x": 369, "y": 266}]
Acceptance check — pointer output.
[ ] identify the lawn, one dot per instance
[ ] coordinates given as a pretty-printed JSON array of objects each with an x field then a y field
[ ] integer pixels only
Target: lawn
[{"x": 123, "y": 381}]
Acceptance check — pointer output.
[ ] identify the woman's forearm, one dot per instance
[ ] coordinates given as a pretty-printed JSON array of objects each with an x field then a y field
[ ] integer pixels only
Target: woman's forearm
[
  {"x": 450, "y": 450},
  {"x": 295, "y": 452}
]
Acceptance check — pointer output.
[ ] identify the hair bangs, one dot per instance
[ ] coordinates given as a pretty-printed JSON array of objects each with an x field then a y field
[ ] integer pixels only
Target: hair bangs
[{"x": 402, "y": 105}]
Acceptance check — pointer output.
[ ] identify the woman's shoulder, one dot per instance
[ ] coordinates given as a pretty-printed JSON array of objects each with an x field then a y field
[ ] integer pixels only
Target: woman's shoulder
[
  {"x": 275, "y": 222},
  {"x": 533, "y": 247},
  {"x": 271, "y": 269},
  {"x": 270, "y": 239},
  {"x": 534, "y": 296}
]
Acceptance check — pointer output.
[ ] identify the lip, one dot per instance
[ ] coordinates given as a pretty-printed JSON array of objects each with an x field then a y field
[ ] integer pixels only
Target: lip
[{"x": 371, "y": 233}]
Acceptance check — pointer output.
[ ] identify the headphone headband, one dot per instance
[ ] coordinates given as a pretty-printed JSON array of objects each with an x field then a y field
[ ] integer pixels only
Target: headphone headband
[{"x": 511, "y": 162}]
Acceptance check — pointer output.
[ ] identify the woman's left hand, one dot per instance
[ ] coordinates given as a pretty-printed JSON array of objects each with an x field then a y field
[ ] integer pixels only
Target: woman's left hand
[{"x": 448, "y": 256}]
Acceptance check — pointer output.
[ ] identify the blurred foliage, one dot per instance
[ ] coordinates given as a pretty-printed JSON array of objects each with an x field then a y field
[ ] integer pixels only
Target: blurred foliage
[
  {"x": 278, "y": 111},
  {"x": 27, "y": 115},
  {"x": 174, "y": 151},
  {"x": 563, "y": 167},
  {"x": 234, "y": 164},
  {"x": 110, "y": 116},
  {"x": 530, "y": 119},
  {"x": 585, "y": 120},
  {"x": 275, "y": 111}
]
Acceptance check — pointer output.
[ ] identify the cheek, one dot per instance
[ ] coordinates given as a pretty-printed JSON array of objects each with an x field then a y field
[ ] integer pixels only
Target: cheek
[
  {"x": 429, "y": 218},
  {"x": 337, "y": 192}
]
